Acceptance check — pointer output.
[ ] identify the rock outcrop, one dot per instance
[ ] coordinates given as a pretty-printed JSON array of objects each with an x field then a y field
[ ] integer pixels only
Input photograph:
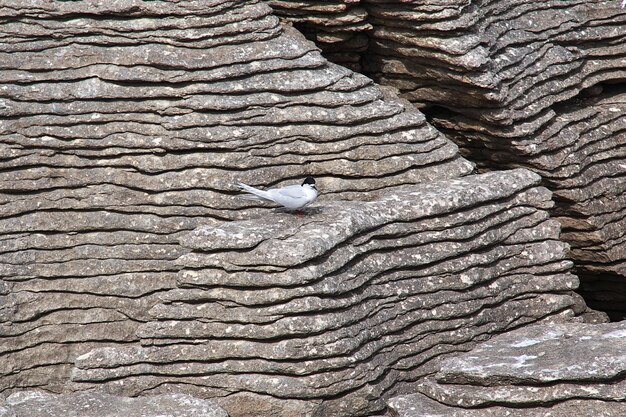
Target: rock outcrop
[
  {"x": 334, "y": 310},
  {"x": 338, "y": 27},
  {"x": 527, "y": 84},
  {"x": 128, "y": 264},
  {"x": 557, "y": 370},
  {"x": 532, "y": 84},
  {"x": 93, "y": 404},
  {"x": 124, "y": 124}
]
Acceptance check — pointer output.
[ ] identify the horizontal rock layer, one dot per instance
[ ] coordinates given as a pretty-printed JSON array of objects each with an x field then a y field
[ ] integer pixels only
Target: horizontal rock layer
[
  {"x": 338, "y": 27},
  {"x": 124, "y": 124},
  {"x": 90, "y": 404},
  {"x": 531, "y": 84},
  {"x": 348, "y": 303},
  {"x": 560, "y": 370}
]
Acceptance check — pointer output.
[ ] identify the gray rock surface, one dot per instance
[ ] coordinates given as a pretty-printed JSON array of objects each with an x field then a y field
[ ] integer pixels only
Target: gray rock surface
[
  {"x": 418, "y": 405},
  {"x": 128, "y": 262},
  {"x": 561, "y": 369},
  {"x": 526, "y": 84},
  {"x": 342, "y": 306},
  {"x": 338, "y": 27},
  {"x": 93, "y": 404},
  {"x": 124, "y": 124},
  {"x": 514, "y": 84}
]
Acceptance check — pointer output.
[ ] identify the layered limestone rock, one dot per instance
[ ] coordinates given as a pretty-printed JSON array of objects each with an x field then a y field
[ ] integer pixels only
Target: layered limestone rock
[
  {"x": 91, "y": 404},
  {"x": 532, "y": 84},
  {"x": 128, "y": 263},
  {"x": 514, "y": 83},
  {"x": 557, "y": 370},
  {"x": 333, "y": 311},
  {"x": 124, "y": 124},
  {"x": 338, "y": 27}
]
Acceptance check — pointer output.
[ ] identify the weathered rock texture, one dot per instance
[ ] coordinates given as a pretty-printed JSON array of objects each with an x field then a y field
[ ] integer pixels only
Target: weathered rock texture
[
  {"x": 557, "y": 370},
  {"x": 92, "y": 404},
  {"x": 333, "y": 311},
  {"x": 532, "y": 84},
  {"x": 124, "y": 124},
  {"x": 514, "y": 83},
  {"x": 338, "y": 27}
]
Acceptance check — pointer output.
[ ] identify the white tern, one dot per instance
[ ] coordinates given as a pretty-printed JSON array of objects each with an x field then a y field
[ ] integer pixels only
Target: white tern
[{"x": 292, "y": 196}]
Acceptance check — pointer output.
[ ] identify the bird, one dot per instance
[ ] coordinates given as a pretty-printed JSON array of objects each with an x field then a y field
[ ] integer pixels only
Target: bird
[{"x": 293, "y": 197}]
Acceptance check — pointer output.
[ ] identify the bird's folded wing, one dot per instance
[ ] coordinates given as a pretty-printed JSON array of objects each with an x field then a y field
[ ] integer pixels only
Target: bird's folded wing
[{"x": 292, "y": 191}]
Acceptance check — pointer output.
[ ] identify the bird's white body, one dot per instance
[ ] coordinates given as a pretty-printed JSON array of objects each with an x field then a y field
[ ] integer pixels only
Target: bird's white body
[{"x": 292, "y": 196}]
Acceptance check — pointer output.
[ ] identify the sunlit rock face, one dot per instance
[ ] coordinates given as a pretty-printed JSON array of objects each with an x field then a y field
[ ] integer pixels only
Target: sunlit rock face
[
  {"x": 532, "y": 84},
  {"x": 130, "y": 264},
  {"x": 37, "y": 403},
  {"x": 557, "y": 369},
  {"x": 335, "y": 310},
  {"x": 124, "y": 124},
  {"x": 513, "y": 83}
]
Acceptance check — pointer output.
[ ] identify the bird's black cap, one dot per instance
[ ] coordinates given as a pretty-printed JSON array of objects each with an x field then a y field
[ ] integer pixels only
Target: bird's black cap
[{"x": 309, "y": 180}]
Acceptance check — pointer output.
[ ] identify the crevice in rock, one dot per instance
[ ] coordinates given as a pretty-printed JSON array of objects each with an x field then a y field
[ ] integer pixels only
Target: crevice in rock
[{"x": 604, "y": 291}]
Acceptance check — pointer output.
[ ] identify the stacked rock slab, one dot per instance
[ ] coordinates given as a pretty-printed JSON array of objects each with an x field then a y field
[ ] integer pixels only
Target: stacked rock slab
[
  {"x": 126, "y": 123},
  {"x": 531, "y": 84},
  {"x": 92, "y": 404},
  {"x": 558, "y": 370},
  {"x": 334, "y": 311},
  {"x": 338, "y": 27}
]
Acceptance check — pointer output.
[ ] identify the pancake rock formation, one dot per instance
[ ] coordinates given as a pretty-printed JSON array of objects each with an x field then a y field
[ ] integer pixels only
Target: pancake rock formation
[
  {"x": 124, "y": 124},
  {"x": 92, "y": 404},
  {"x": 129, "y": 266},
  {"x": 526, "y": 84},
  {"x": 515, "y": 83},
  {"x": 558, "y": 370},
  {"x": 338, "y": 27},
  {"x": 333, "y": 311}
]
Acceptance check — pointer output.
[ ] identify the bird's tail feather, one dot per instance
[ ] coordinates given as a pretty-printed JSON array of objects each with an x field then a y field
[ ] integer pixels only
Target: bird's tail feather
[
  {"x": 255, "y": 193},
  {"x": 251, "y": 197}
]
